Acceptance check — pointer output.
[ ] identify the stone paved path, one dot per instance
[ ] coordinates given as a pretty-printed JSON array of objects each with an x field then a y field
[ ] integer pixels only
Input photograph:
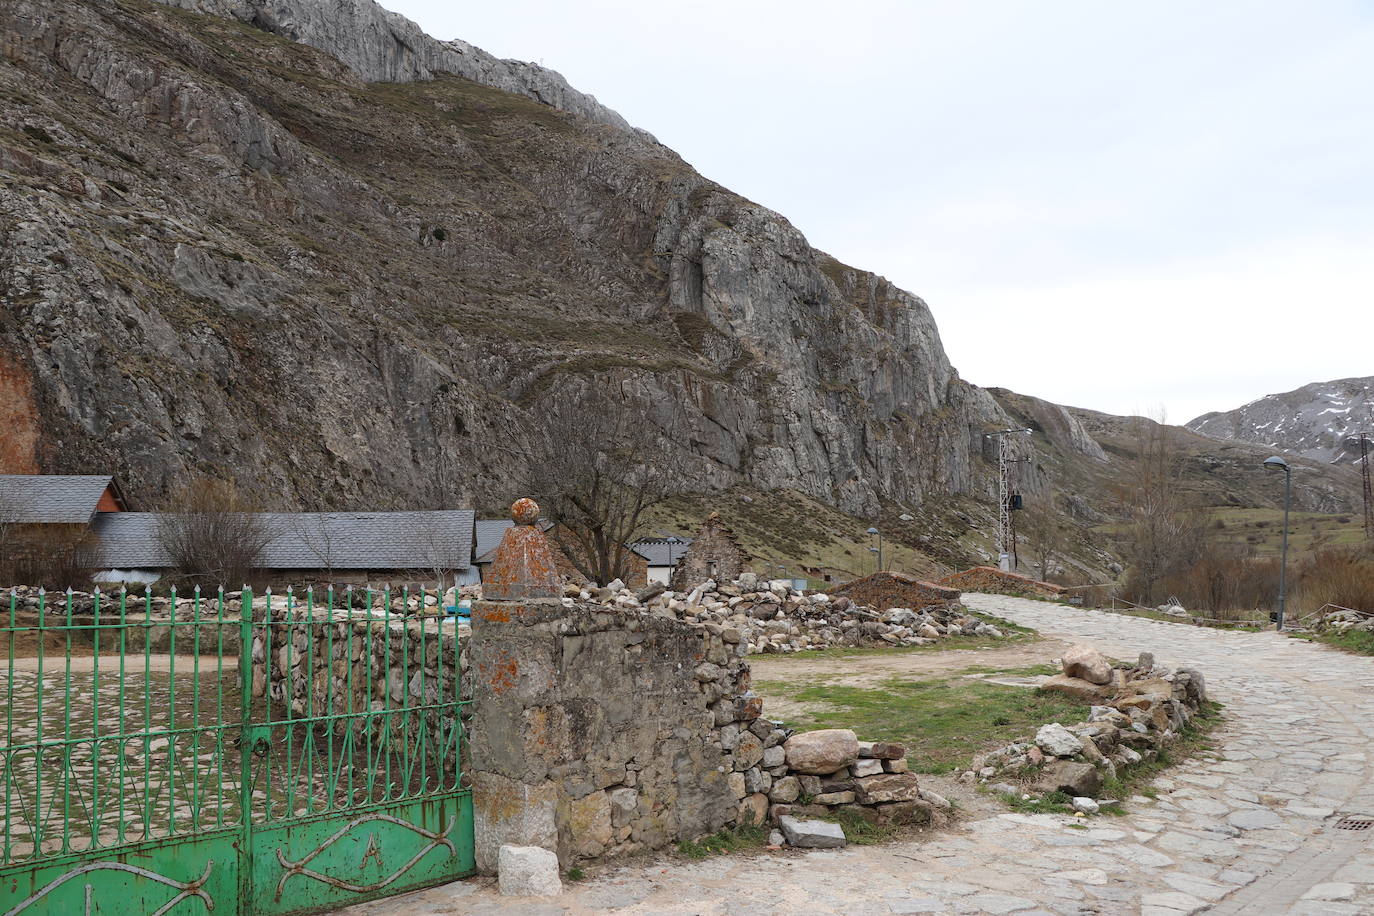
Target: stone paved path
[{"x": 1249, "y": 833}]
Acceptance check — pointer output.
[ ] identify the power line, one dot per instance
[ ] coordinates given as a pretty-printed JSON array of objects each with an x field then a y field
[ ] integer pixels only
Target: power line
[{"x": 1368, "y": 491}]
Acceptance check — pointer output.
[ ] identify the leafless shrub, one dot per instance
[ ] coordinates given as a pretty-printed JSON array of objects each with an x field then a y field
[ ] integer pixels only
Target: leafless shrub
[
  {"x": 56, "y": 556},
  {"x": 212, "y": 535},
  {"x": 1341, "y": 577},
  {"x": 1166, "y": 531}
]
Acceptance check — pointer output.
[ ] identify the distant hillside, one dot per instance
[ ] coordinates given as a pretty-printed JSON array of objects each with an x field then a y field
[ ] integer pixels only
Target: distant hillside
[{"x": 1321, "y": 421}]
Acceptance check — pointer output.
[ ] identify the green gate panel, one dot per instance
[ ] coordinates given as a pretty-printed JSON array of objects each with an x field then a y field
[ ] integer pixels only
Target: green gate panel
[
  {"x": 174, "y": 877},
  {"x": 309, "y": 865},
  {"x": 258, "y": 798}
]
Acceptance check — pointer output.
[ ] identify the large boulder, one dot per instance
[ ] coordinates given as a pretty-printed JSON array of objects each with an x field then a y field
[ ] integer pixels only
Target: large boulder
[
  {"x": 811, "y": 834},
  {"x": 1057, "y": 741},
  {"x": 821, "y": 752},
  {"x": 527, "y": 871},
  {"x": 1079, "y": 689},
  {"x": 1072, "y": 778},
  {"x": 889, "y": 787},
  {"x": 1089, "y": 664}
]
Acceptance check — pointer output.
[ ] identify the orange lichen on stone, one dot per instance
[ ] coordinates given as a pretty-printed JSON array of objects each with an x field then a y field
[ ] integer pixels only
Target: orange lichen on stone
[
  {"x": 504, "y": 675},
  {"x": 524, "y": 564}
]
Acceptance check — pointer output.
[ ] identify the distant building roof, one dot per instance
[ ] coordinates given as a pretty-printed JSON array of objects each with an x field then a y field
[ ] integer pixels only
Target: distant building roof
[
  {"x": 659, "y": 552},
  {"x": 313, "y": 540},
  {"x": 59, "y": 499},
  {"x": 490, "y": 531}
]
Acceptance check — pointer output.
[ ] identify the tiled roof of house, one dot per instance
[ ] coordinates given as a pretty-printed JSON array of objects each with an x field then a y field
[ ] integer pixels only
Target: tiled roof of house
[
  {"x": 313, "y": 540},
  {"x": 50, "y": 498},
  {"x": 659, "y": 552},
  {"x": 490, "y": 531}
]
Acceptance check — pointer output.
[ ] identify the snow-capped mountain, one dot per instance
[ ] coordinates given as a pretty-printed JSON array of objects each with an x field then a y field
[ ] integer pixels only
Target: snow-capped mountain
[{"x": 1321, "y": 421}]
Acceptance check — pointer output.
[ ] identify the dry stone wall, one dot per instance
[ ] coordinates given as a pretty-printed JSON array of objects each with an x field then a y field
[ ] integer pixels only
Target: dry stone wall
[
  {"x": 341, "y": 662},
  {"x": 601, "y": 731}
]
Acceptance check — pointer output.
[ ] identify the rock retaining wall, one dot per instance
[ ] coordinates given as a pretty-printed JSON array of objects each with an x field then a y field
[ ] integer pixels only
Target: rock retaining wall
[{"x": 1136, "y": 709}]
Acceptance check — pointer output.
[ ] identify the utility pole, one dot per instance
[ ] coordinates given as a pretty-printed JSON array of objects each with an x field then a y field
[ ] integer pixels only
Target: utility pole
[
  {"x": 1004, "y": 461},
  {"x": 1368, "y": 490}
]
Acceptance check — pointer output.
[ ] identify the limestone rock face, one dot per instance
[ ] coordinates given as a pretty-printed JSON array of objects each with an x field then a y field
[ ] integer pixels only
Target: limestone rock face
[
  {"x": 821, "y": 752},
  {"x": 1078, "y": 688},
  {"x": 252, "y": 256},
  {"x": 894, "y": 787},
  {"x": 382, "y": 46}
]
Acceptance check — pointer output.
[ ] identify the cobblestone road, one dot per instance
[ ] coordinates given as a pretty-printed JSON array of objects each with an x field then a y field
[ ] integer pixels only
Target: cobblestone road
[{"x": 1251, "y": 832}]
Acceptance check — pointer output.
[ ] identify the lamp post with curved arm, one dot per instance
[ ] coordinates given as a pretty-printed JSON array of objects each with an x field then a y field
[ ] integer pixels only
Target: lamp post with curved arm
[{"x": 1278, "y": 463}]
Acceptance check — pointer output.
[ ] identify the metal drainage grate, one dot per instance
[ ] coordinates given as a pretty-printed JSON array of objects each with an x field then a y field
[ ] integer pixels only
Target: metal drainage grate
[{"x": 1355, "y": 822}]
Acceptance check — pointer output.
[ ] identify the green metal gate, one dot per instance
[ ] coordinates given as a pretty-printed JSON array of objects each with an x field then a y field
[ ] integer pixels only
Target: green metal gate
[{"x": 291, "y": 760}]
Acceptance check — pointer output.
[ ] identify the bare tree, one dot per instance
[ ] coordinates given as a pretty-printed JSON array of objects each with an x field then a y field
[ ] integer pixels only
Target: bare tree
[
  {"x": 212, "y": 535},
  {"x": 314, "y": 532},
  {"x": 442, "y": 560},
  {"x": 1045, "y": 532},
  {"x": 596, "y": 467},
  {"x": 1165, "y": 530}
]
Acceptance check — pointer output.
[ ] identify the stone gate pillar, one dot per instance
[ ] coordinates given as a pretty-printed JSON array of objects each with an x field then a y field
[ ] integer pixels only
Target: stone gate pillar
[{"x": 512, "y": 662}]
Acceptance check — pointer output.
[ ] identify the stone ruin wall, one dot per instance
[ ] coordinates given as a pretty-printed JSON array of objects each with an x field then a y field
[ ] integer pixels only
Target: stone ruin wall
[
  {"x": 714, "y": 554},
  {"x": 598, "y": 732}
]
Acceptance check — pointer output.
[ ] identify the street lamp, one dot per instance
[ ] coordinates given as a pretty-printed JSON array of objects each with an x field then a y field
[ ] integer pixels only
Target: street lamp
[
  {"x": 870, "y": 532},
  {"x": 1275, "y": 463}
]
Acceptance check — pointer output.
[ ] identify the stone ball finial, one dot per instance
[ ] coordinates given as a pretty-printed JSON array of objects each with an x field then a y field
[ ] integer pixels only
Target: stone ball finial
[{"x": 524, "y": 511}]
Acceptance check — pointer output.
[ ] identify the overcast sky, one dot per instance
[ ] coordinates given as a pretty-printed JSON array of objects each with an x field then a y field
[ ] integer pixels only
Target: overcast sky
[{"x": 1126, "y": 207}]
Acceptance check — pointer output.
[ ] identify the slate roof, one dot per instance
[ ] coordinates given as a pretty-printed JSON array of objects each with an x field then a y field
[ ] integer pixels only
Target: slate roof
[
  {"x": 659, "y": 552},
  {"x": 489, "y": 534},
  {"x": 313, "y": 540},
  {"x": 61, "y": 499}
]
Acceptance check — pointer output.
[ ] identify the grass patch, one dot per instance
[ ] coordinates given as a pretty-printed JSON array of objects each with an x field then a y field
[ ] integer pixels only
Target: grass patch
[
  {"x": 1359, "y": 642},
  {"x": 1027, "y": 671},
  {"x": 943, "y": 722},
  {"x": 730, "y": 839},
  {"x": 860, "y": 832},
  {"x": 575, "y": 874},
  {"x": 1055, "y": 802}
]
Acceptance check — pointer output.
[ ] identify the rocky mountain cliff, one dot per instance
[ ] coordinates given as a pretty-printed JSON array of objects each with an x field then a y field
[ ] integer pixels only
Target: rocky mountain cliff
[
  {"x": 231, "y": 249},
  {"x": 1321, "y": 421}
]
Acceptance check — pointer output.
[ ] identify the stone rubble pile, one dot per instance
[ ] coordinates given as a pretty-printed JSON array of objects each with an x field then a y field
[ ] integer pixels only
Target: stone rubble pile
[
  {"x": 1345, "y": 620},
  {"x": 829, "y": 773},
  {"x": 770, "y": 616},
  {"x": 1135, "y": 710}
]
